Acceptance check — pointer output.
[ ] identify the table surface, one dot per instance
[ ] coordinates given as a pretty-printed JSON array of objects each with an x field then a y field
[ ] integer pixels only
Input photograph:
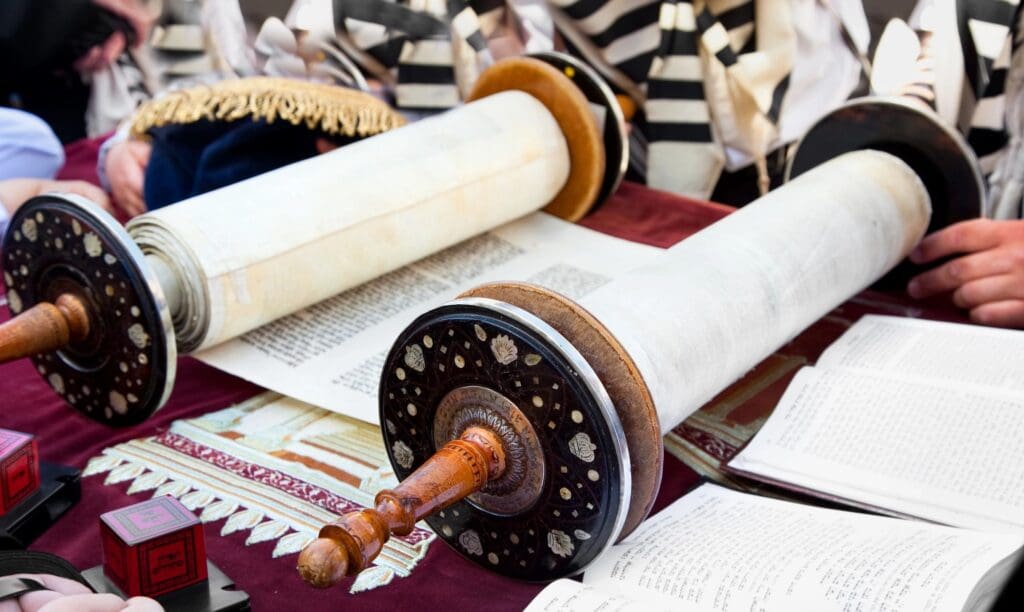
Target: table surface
[{"x": 443, "y": 578}]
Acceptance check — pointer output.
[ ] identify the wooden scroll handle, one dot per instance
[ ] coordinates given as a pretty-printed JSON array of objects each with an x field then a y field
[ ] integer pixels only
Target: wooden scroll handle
[
  {"x": 348, "y": 545},
  {"x": 45, "y": 327}
]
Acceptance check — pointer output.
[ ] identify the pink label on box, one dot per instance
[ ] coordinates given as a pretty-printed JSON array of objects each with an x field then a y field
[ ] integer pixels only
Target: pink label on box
[
  {"x": 10, "y": 441},
  {"x": 149, "y": 519}
]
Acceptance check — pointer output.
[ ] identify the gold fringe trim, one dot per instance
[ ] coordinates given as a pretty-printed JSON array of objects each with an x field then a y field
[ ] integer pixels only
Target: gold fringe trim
[{"x": 325, "y": 108}]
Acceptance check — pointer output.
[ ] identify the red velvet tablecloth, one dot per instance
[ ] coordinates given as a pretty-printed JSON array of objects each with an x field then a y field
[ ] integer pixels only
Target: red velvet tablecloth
[{"x": 443, "y": 578}]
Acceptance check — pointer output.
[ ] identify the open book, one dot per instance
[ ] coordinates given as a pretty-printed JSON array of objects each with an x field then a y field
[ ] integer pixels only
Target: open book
[
  {"x": 718, "y": 549},
  {"x": 907, "y": 417}
]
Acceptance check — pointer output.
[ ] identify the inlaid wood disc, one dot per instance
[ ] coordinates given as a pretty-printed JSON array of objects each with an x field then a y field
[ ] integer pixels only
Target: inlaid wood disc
[
  {"x": 124, "y": 369},
  {"x": 571, "y": 110},
  {"x": 493, "y": 354},
  {"x": 618, "y": 374}
]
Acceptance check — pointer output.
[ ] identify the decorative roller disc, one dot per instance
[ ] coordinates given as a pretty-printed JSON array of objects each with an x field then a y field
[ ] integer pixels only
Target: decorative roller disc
[
  {"x": 574, "y": 115},
  {"x": 475, "y": 361},
  {"x": 607, "y": 113},
  {"x": 124, "y": 369},
  {"x": 938, "y": 154}
]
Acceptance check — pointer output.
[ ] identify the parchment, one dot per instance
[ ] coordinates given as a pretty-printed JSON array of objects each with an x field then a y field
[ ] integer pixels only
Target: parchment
[
  {"x": 717, "y": 549},
  {"x": 914, "y": 417},
  {"x": 331, "y": 354},
  {"x": 725, "y": 298}
]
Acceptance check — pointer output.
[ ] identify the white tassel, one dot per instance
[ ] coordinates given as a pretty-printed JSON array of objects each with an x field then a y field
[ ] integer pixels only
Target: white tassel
[
  {"x": 265, "y": 532},
  {"x": 246, "y": 519},
  {"x": 124, "y": 472},
  {"x": 197, "y": 499},
  {"x": 147, "y": 482},
  {"x": 218, "y": 510},
  {"x": 100, "y": 464},
  {"x": 292, "y": 543},
  {"x": 173, "y": 488},
  {"x": 369, "y": 579}
]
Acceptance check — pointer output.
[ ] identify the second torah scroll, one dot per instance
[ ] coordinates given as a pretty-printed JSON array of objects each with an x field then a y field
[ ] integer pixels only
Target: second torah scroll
[{"x": 527, "y": 427}]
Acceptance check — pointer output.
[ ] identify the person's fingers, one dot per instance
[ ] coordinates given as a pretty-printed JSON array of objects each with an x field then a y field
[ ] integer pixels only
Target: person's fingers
[
  {"x": 143, "y": 604},
  {"x": 989, "y": 289},
  {"x": 130, "y": 201},
  {"x": 130, "y": 188},
  {"x": 86, "y": 190},
  {"x": 135, "y": 14},
  {"x": 92, "y": 602},
  {"x": 113, "y": 47},
  {"x": 140, "y": 151},
  {"x": 961, "y": 270},
  {"x": 964, "y": 237},
  {"x": 36, "y": 600},
  {"x": 1007, "y": 313},
  {"x": 57, "y": 587},
  {"x": 325, "y": 145},
  {"x": 90, "y": 61}
]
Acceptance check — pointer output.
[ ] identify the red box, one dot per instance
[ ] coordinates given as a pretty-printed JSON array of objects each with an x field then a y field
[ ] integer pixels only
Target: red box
[
  {"x": 19, "y": 468},
  {"x": 153, "y": 547}
]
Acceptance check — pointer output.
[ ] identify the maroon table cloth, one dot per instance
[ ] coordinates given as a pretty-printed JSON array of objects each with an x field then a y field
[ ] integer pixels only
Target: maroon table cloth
[{"x": 442, "y": 578}]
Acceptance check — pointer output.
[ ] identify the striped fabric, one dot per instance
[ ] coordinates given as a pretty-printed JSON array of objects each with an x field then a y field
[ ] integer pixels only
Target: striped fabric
[
  {"x": 684, "y": 53},
  {"x": 430, "y": 67},
  {"x": 999, "y": 113},
  {"x": 678, "y": 118},
  {"x": 988, "y": 46},
  {"x": 922, "y": 84}
]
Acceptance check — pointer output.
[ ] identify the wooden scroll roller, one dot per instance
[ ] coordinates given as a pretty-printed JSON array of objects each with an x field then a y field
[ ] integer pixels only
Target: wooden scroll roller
[
  {"x": 104, "y": 312},
  {"x": 578, "y": 395}
]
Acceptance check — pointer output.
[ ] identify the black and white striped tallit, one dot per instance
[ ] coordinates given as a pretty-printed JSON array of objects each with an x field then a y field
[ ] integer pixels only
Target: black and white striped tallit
[
  {"x": 985, "y": 36},
  {"x": 432, "y": 49},
  {"x": 997, "y": 123},
  {"x": 658, "y": 44}
]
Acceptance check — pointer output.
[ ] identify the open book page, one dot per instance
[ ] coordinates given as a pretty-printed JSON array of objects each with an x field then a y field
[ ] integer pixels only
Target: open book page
[
  {"x": 938, "y": 450},
  {"x": 931, "y": 350},
  {"x": 570, "y": 596},
  {"x": 717, "y": 549},
  {"x": 331, "y": 353}
]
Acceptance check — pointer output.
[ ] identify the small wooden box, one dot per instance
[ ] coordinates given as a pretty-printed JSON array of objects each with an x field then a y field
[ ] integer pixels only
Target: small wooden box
[
  {"x": 19, "y": 468},
  {"x": 153, "y": 547}
]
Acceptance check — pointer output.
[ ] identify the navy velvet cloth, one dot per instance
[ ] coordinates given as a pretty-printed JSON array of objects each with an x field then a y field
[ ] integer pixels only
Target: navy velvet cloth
[{"x": 191, "y": 159}]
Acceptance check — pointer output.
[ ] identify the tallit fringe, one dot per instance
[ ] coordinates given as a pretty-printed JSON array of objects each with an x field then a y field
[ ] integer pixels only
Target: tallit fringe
[{"x": 329, "y": 109}]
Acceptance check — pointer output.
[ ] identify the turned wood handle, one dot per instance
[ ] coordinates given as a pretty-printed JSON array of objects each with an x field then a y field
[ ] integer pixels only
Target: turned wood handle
[
  {"x": 348, "y": 545},
  {"x": 45, "y": 327}
]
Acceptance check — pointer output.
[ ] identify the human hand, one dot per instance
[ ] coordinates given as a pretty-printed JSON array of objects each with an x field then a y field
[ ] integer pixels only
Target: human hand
[
  {"x": 14, "y": 192},
  {"x": 65, "y": 595},
  {"x": 101, "y": 56},
  {"x": 125, "y": 167},
  {"x": 132, "y": 11},
  {"x": 987, "y": 279}
]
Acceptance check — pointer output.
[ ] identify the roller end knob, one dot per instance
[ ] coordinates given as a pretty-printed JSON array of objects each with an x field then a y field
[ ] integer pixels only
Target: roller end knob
[{"x": 323, "y": 564}]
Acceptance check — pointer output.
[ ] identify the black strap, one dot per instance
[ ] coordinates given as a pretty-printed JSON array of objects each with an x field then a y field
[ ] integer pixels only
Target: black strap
[
  {"x": 12, "y": 588},
  {"x": 36, "y": 562},
  {"x": 394, "y": 16}
]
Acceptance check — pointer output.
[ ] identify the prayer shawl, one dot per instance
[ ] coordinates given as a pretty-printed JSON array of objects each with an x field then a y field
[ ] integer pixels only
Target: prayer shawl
[
  {"x": 990, "y": 107},
  {"x": 711, "y": 73},
  {"x": 430, "y": 51},
  {"x": 984, "y": 27},
  {"x": 997, "y": 126}
]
